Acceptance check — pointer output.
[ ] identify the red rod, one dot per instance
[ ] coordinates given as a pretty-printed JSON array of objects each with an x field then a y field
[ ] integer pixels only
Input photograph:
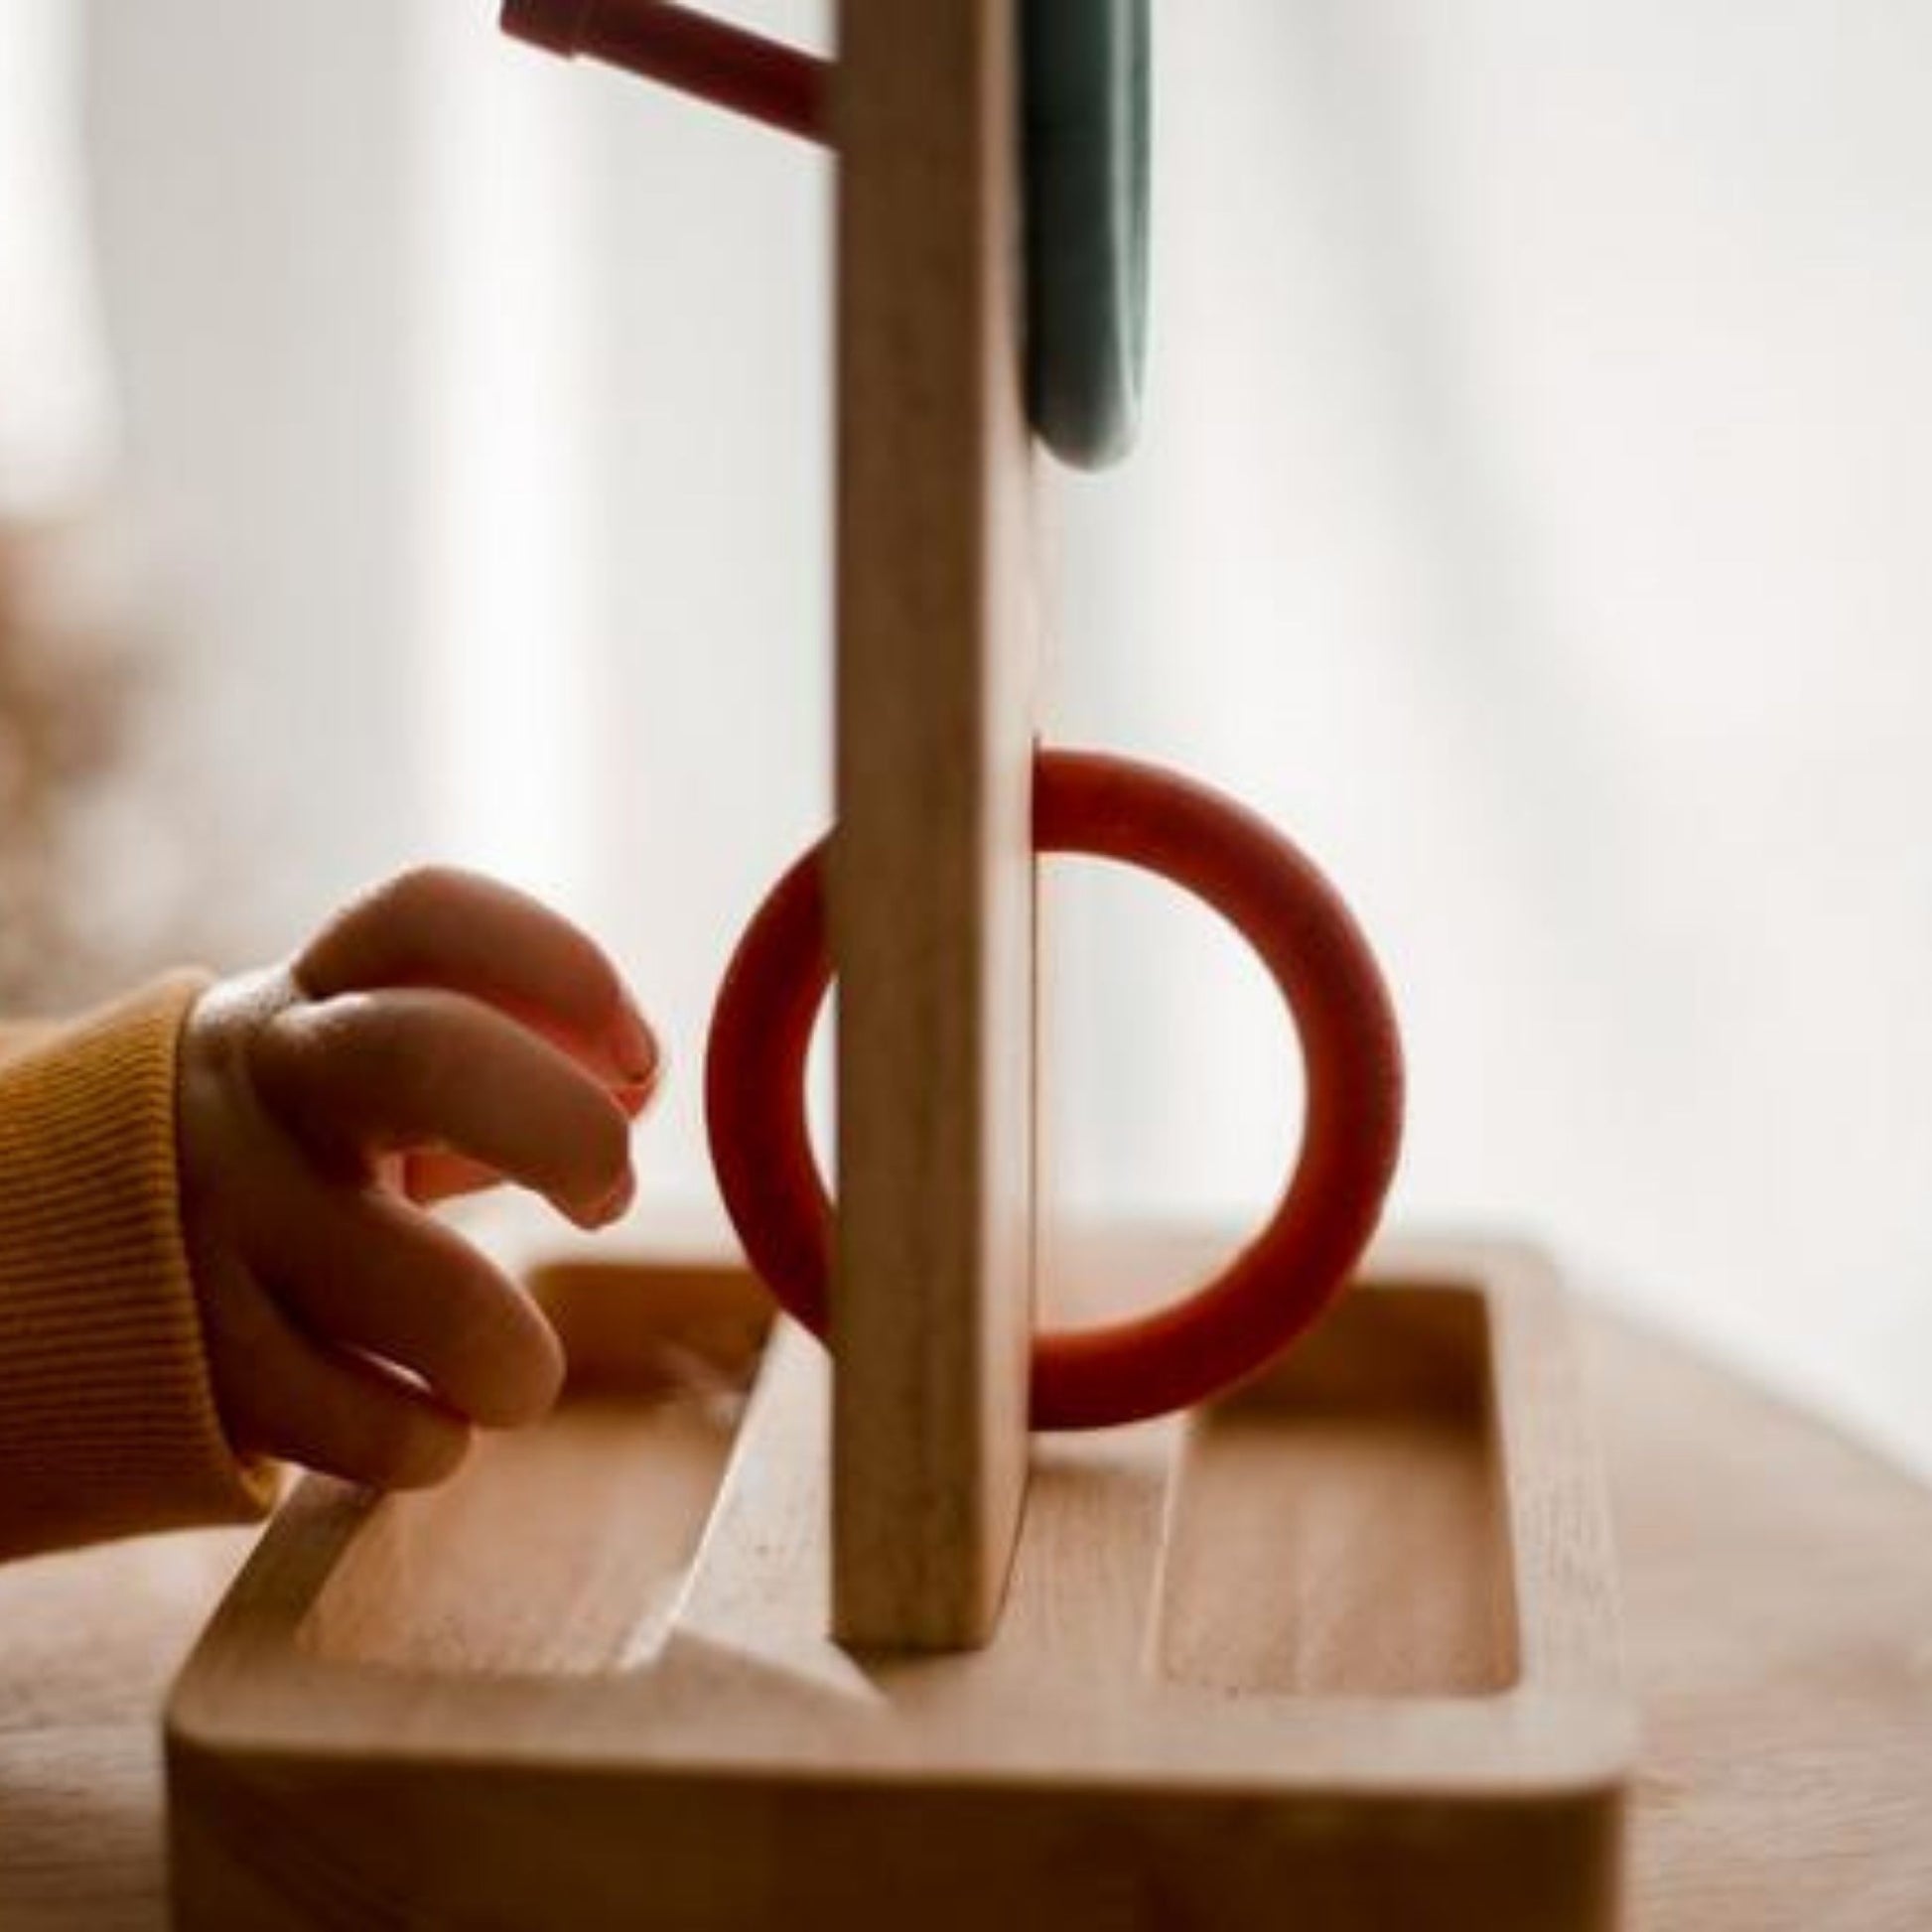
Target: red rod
[{"x": 726, "y": 65}]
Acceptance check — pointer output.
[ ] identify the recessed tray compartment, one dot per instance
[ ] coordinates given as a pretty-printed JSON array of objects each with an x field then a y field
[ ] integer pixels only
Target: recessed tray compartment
[
  {"x": 1340, "y": 1528},
  {"x": 608, "y": 1496}
]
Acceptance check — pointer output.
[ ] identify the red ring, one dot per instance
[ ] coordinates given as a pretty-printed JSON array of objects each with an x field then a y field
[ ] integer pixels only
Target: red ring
[{"x": 1284, "y": 1280}]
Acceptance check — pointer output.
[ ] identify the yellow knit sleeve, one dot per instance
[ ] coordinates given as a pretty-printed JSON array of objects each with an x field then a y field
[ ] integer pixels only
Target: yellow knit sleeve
[{"x": 107, "y": 1417}]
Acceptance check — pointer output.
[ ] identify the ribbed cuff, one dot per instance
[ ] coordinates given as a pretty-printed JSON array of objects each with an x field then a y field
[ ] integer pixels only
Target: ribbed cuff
[{"x": 107, "y": 1417}]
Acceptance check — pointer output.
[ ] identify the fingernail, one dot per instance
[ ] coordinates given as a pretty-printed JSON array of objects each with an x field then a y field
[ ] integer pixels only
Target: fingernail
[
  {"x": 633, "y": 1047},
  {"x": 634, "y": 1095},
  {"x": 616, "y": 1203}
]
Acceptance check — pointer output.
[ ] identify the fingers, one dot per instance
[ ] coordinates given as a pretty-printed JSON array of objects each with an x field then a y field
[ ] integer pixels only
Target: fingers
[
  {"x": 433, "y": 1173},
  {"x": 441, "y": 1033},
  {"x": 372, "y": 1273},
  {"x": 363, "y": 1074},
  {"x": 288, "y": 1396},
  {"x": 441, "y": 927}
]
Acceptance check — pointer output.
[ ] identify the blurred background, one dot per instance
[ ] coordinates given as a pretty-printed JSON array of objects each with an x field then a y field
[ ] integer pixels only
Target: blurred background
[{"x": 411, "y": 445}]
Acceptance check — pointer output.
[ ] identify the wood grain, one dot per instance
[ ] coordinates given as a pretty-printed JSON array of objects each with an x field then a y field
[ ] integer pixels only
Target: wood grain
[{"x": 933, "y": 876}]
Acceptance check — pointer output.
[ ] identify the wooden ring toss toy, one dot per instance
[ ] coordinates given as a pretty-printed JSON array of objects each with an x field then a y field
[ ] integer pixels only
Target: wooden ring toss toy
[
  {"x": 1275, "y": 1287},
  {"x": 1339, "y": 1645}
]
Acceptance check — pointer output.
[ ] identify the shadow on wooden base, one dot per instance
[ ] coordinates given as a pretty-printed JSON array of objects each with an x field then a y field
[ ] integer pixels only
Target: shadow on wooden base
[{"x": 1337, "y": 1651}]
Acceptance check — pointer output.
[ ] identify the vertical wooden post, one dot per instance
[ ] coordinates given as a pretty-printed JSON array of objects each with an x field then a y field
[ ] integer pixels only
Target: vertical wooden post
[{"x": 933, "y": 876}]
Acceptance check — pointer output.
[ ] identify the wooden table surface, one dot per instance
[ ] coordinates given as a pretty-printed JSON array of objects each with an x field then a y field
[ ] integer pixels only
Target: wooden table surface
[{"x": 1778, "y": 1589}]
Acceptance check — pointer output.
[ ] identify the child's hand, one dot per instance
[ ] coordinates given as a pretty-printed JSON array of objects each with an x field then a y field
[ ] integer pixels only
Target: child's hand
[{"x": 441, "y": 1033}]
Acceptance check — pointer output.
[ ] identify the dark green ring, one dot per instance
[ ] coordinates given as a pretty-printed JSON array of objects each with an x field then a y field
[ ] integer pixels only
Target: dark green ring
[{"x": 1086, "y": 138}]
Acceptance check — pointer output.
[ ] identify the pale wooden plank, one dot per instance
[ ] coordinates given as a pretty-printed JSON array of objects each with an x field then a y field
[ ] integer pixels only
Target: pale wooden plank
[{"x": 932, "y": 883}]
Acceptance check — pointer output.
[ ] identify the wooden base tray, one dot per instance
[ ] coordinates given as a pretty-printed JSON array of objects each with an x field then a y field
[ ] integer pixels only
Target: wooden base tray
[{"x": 1338, "y": 1651}]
